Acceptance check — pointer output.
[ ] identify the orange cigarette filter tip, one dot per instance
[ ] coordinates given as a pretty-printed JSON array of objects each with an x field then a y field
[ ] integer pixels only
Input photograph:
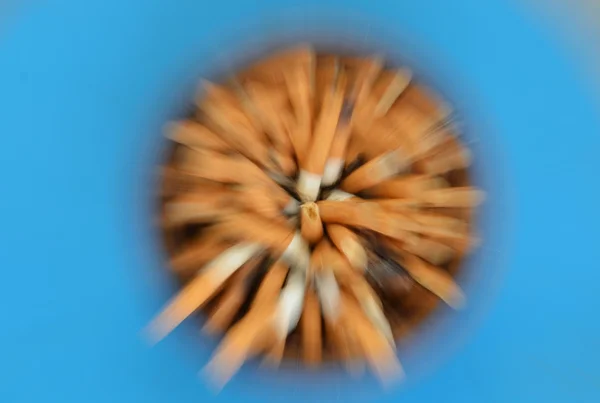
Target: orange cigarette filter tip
[
  {"x": 233, "y": 125},
  {"x": 197, "y": 208},
  {"x": 311, "y": 226},
  {"x": 449, "y": 158},
  {"x": 433, "y": 251},
  {"x": 223, "y": 106},
  {"x": 310, "y": 324},
  {"x": 191, "y": 259},
  {"x": 425, "y": 100},
  {"x": 300, "y": 84},
  {"x": 397, "y": 81},
  {"x": 311, "y": 172},
  {"x": 368, "y": 215},
  {"x": 376, "y": 171},
  {"x": 362, "y": 74},
  {"x": 228, "y": 305},
  {"x": 284, "y": 163},
  {"x": 406, "y": 186},
  {"x": 271, "y": 285},
  {"x": 174, "y": 181},
  {"x": 274, "y": 354},
  {"x": 454, "y": 197},
  {"x": 220, "y": 168},
  {"x": 388, "y": 86},
  {"x": 336, "y": 160},
  {"x": 200, "y": 289},
  {"x": 272, "y": 70},
  {"x": 435, "y": 279},
  {"x": 252, "y": 227},
  {"x": 379, "y": 353},
  {"x": 195, "y": 135},
  {"x": 260, "y": 200},
  {"x": 252, "y": 335},
  {"x": 269, "y": 108},
  {"x": 349, "y": 244}
]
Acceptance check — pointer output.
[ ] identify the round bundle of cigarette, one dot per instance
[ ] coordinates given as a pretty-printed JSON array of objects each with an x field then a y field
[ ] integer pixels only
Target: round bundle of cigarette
[{"x": 316, "y": 208}]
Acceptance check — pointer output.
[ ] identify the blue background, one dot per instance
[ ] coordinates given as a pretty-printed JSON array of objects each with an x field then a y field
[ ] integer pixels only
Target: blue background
[{"x": 85, "y": 87}]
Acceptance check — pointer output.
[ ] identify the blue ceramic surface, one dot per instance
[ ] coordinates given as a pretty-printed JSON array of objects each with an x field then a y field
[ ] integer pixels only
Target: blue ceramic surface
[{"x": 85, "y": 88}]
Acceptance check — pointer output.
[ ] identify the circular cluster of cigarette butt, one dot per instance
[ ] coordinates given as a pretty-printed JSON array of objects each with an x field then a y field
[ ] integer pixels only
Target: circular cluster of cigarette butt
[{"x": 315, "y": 207}]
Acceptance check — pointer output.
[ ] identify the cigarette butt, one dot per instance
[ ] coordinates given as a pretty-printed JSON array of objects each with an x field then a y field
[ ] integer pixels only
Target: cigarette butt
[
  {"x": 221, "y": 168},
  {"x": 415, "y": 128},
  {"x": 389, "y": 137},
  {"x": 296, "y": 252},
  {"x": 269, "y": 112},
  {"x": 311, "y": 172},
  {"x": 336, "y": 336},
  {"x": 453, "y": 197},
  {"x": 327, "y": 286},
  {"x": 372, "y": 307},
  {"x": 435, "y": 252},
  {"x": 310, "y": 324},
  {"x": 335, "y": 162},
  {"x": 174, "y": 181},
  {"x": 228, "y": 170},
  {"x": 260, "y": 200},
  {"x": 227, "y": 307},
  {"x": 439, "y": 220},
  {"x": 355, "y": 366},
  {"x": 369, "y": 216},
  {"x": 406, "y": 186},
  {"x": 249, "y": 337},
  {"x": 397, "y": 81},
  {"x": 432, "y": 251},
  {"x": 398, "y": 205},
  {"x": 436, "y": 280},
  {"x": 309, "y": 185},
  {"x": 333, "y": 171},
  {"x": 249, "y": 108},
  {"x": 354, "y": 150},
  {"x": 362, "y": 74},
  {"x": 318, "y": 256},
  {"x": 301, "y": 98},
  {"x": 224, "y": 106},
  {"x": 271, "y": 70},
  {"x": 254, "y": 228},
  {"x": 290, "y": 302},
  {"x": 200, "y": 289},
  {"x": 197, "y": 208},
  {"x": 274, "y": 354},
  {"x": 388, "y": 86},
  {"x": 271, "y": 285},
  {"x": 194, "y": 256},
  {"x": 292, "y": 206},
  {"x": 427, "y": 101},
  {"x": 336, "y": 262},
  {"x": 326, "y": 69},
  {"x": 376, "y": 171},
  {"x": 380, "y": 355},
  {"x": 194, "y": 134},
  {"x": 329, "y": 297},
  {"x": 461, "y": 245},
  {"x": 349, "y": 244},
  {"x": 340, "y": 195},
  {"x": 284, "y": 162},
  {"x": 238, "y": 136},
  {"x": 310, "y": 223},
  {"x": 434, "y": 225},
  {"x": 222, "y": 316},
  {"x": 451, "y": 158}
]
